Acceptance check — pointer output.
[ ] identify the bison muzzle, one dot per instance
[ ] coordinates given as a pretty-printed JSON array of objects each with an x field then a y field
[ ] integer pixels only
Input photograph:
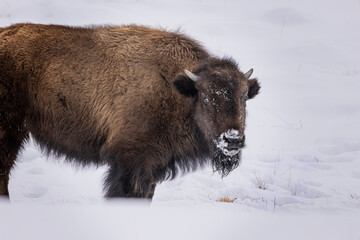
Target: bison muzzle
[{"x": 146, "y": 102}]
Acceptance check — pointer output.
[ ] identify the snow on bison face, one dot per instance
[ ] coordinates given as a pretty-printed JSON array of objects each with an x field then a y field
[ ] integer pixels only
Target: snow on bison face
[{"x": 220, "y": 92}]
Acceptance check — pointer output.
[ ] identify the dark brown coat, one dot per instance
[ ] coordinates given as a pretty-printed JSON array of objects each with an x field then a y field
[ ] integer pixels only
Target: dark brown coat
[{"x": 106, "y": 95}]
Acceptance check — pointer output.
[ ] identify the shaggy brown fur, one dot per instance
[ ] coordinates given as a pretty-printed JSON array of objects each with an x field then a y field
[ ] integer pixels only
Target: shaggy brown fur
[{"x": 105, "y": 95}]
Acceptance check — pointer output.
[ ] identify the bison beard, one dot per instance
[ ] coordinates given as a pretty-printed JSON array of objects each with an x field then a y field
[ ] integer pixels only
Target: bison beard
[
  {"x": 223, "y": 163},
  {"x": 227, "y": 152}
]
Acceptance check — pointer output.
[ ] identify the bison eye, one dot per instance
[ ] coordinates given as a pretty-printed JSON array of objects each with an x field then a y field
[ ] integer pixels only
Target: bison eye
[{"x": 206, "y": 100}]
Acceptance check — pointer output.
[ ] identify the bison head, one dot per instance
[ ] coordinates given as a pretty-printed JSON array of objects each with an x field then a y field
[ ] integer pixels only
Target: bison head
[{"x": 220, "y": 92}]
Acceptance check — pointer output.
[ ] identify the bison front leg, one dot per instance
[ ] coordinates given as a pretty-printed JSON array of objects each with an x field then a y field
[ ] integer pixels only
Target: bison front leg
[
  {"x": 12, "y": 132},
  {"x": 129, "y": 183}
]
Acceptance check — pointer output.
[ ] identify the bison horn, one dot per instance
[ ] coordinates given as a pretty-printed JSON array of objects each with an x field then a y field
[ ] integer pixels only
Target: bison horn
[
  {"x": 247, "y": 75},
  {"x": 192, "y": 76}
]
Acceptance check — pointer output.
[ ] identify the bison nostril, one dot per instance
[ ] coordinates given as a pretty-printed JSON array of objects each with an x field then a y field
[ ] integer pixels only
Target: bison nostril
[
  {"x": 225, "y": 138},
  {"x": 234, "y": 142}
]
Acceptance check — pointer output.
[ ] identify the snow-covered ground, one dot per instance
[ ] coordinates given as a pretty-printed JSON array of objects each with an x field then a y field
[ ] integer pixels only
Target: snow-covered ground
[{"x": 303, "y": 130}]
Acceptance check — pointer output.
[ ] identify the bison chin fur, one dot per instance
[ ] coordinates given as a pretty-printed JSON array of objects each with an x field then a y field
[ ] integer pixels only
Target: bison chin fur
[{"x": 224, "y": 164}]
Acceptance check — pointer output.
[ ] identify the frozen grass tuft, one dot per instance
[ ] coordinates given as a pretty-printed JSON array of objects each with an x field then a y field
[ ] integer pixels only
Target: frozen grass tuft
[
  {"x": 259, "y": 181},
  {"x": 226, "y": 200}
]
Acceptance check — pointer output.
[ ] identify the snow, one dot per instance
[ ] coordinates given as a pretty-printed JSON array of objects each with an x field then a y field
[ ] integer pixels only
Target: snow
[
  {"x": 123, "y": 220},
  {"x": 302, "y": 136}
]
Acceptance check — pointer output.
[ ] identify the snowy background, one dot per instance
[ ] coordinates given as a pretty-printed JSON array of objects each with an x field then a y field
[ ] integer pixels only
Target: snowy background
[{"x": 303, "y": 130}]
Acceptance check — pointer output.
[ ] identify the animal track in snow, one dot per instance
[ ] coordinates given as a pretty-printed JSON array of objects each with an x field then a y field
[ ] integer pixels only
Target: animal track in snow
[
  {"x": 34, "y": 192},
  {"x": 282, "y": 16},
  {"x": 36, "y": 170},
  {"x": 314, "y": 184},
  {"x": 31, "y": 154},
  {"x": 341, "y": 147},
  {"x": 300, "y": 189},
  {"x": 356, "y": 175},
  {"x": 321, "y": 166}
]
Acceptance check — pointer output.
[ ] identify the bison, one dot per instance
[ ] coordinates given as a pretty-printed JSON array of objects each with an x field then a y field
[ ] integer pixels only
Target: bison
[{"x": 146, "y": 102}]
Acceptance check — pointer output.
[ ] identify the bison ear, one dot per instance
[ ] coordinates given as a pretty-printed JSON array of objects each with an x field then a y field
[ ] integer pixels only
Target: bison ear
[
  {"x": 254, "y": 88},
  {"x": 185, "y": 86}
]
